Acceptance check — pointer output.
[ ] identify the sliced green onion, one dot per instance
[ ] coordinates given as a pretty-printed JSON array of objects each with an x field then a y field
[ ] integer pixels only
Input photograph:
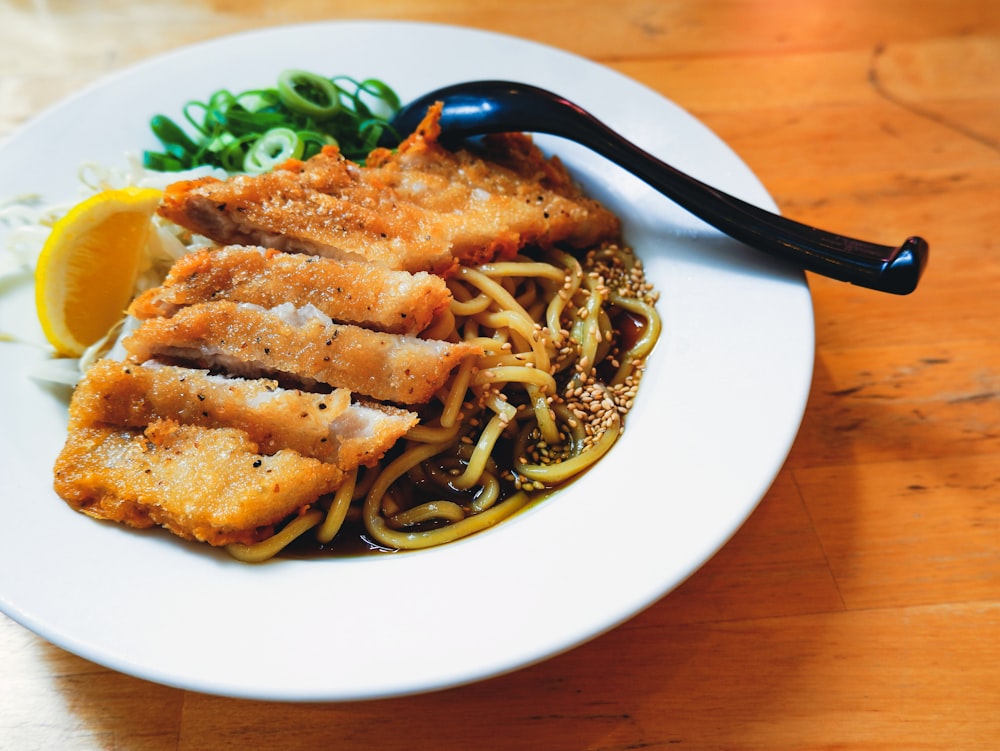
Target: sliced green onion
[
  {"x": 313, "y": 142},
  {"x": 257, "y": 100},
  {"x": 171, "y": 134},
  {"x": 385, "y": 102},
  {"x": 271, "y": 149},
  {"x": 162, "y": 162},
  {"x": 229, "y": 152},
  {"x": 223, "y": 129},
  {"x": 309, "y": 94}
]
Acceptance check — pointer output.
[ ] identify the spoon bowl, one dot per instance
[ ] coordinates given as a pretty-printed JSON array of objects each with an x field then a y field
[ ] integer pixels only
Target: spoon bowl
[{"x": 478, "y": 108}]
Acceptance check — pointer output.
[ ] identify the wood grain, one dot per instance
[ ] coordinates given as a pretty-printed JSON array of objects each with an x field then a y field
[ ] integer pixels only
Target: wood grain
[{"x": 859, "y": 606}]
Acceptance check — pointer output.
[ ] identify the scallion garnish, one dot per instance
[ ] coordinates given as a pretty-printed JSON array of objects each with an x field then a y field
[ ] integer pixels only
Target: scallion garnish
[
  {"x": 271, "y": 149},
  {"x": 309, "y": 94},
  {"x": 257, "y": 129}
]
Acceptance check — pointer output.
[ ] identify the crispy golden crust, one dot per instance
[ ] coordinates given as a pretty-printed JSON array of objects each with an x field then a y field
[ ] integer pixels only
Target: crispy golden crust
[
  {"x": 131, "y": 395},
  {"x": 206, "y": 484},
  {"x": 322, "y": 426},
  {"x": 301, "y": 346},
  {"x": 422, "y": 208},
  {"x": 349, "y": 292}
]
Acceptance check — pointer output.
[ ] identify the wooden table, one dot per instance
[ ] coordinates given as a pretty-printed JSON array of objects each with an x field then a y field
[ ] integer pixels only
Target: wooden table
[{"x": 859, "y": 607}]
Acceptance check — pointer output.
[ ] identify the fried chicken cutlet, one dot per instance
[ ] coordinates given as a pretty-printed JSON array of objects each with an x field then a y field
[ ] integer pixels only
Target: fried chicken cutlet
[
  {"x": 324, "y": 426},
  {"x": 348, "y": 292},
  {"x": 205, "y": 484},
  {"x": 420, "y": 208},
  {"x": 300, "y": 345}
]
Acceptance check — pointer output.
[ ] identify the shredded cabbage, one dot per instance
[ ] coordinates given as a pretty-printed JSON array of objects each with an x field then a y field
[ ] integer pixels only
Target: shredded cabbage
[{"x": 28, "y": 222}]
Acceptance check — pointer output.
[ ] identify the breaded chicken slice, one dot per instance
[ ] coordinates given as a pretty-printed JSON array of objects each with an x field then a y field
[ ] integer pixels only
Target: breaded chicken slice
[
  {"x": 349, "y": 292},
  {"x": 205, "y": 484},
  {"x": 323, "y": 426},
  {"x": 421, "y": 208},
  {"x": 300, "y": 345},
  {"x": 361, "y": 435}
]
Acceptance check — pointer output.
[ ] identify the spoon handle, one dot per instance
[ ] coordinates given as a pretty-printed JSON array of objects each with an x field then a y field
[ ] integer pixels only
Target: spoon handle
[{"x": 879, "y": 267}]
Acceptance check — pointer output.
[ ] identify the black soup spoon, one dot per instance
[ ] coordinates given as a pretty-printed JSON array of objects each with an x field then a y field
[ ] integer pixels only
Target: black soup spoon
[{"x": 480, "y": 107}]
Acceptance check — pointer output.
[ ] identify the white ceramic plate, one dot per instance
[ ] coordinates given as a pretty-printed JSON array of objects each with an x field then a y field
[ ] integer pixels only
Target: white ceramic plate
[{"x": 718, "y": 410}]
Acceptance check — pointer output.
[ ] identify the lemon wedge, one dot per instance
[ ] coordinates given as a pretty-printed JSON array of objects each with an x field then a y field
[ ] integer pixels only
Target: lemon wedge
[{"x": 87, "y": 269}]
